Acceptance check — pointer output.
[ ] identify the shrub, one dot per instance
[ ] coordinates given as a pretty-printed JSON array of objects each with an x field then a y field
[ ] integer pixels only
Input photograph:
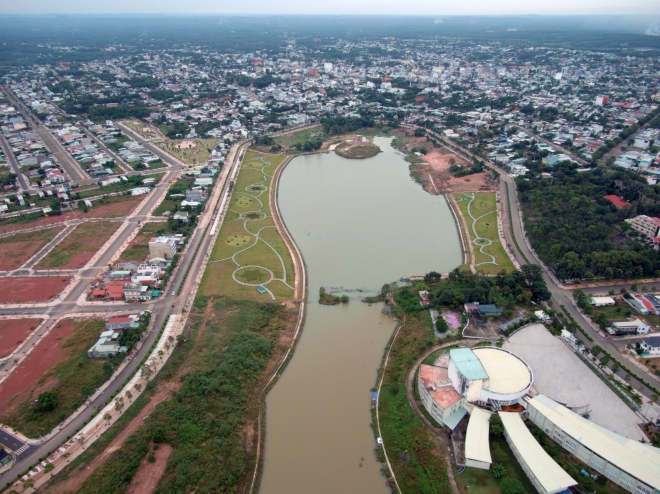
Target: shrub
[
  {"x": 510, "y": 485},
  {"x": 47, "y": 401}
]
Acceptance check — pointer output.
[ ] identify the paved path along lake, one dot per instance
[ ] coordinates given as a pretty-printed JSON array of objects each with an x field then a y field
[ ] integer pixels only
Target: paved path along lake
[{"x": 359, "y": 224}]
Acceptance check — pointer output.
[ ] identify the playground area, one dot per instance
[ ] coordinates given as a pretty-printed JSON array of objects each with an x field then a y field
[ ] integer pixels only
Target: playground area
[{"x": 249, "y": 258}]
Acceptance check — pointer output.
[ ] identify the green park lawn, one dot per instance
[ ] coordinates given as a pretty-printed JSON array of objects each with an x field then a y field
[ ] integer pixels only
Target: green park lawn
[
  {"x": 237, "y": 236},
  {"x": 484, "y": 204}
]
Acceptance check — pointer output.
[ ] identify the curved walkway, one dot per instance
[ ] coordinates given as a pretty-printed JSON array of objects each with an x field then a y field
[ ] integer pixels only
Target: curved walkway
[
  {"x": 246, "y": 217},
  {"x": 479, "y": 241}
]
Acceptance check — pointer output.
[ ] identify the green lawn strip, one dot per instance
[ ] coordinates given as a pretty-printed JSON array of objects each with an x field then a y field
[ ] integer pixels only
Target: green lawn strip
[
  {"x": 76, "y": 377},
  {"x": 234, "y": 239},
  {"x": 85, "y": 238},
  {"x": 20, "y": 220},
  {"x": 417, "y": 463},
  {"x": 204, "y": 422}
]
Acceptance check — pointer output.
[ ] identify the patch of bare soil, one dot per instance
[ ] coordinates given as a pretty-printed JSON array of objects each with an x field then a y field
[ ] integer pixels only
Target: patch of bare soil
[
  {"x": 77, "y": 477},
  {"x": 148, "y": 474}
]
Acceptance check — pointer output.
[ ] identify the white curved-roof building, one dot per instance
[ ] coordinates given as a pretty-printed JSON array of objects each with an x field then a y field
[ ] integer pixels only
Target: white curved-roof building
[{"x": 489, "y": 376}]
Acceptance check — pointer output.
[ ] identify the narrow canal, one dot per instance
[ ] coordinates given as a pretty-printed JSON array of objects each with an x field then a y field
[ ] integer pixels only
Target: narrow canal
[{"x": 359, "y": 224}]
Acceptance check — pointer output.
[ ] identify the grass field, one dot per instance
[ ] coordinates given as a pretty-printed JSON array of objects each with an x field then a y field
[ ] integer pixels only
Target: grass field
[
  {"x": 490, "y": 256},
  {"x": 79, "y": 246},
  {"x": 74, "y": 378},
  {"x": 139, "y": 128},
  {"x": 249, "y": 234},
  {"x": 289, "y": 140},
  {"x": 199, "y": 154}
]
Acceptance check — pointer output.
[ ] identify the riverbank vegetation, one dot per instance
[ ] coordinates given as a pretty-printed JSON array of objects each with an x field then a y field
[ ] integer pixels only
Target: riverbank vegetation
[
  {"x": 327, "y": 299},
  {"x": 415, "y": 453},
  {"x": 209, "y": 420},
  {"x": 505, "y": 290},
  {"x": 581, "y": 235}
]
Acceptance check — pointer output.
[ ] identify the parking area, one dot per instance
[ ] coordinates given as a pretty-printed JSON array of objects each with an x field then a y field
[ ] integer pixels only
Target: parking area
[{"x": 562, "y": 376}]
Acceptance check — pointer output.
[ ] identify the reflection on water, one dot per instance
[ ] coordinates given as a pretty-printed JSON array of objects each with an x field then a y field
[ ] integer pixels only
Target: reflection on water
[{"x": 359, "y": 224}]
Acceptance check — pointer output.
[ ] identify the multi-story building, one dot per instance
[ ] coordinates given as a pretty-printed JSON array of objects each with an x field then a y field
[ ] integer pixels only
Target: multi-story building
[
  {"x": 163, "y": 247},
  {"x": 645, "y": 225},
  {"x": 628, "y": 463}
]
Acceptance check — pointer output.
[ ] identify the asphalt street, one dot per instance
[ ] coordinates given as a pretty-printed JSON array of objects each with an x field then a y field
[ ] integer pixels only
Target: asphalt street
[{"x": 170, "y": 304}]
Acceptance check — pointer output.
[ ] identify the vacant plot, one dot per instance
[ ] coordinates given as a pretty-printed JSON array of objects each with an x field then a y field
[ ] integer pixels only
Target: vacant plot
[
  {"x": 108, "y": 207},
  {"x": 191, "y": 151},
  {"x": 79, "y": 246},
  {"x": 17, "y": 249},
  {"x": 58, "y": 364},
  {"x": 13, "y": 332},
  {"x": 34, "y": 289},
  {"x": 138, "y": 249},
  {"x": 249, "y": 250},
  {"x": 480, "y": 213}
]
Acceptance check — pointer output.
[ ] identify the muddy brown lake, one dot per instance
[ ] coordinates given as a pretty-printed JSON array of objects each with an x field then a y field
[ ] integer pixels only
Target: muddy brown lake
[{"x": 359, "y": 224}]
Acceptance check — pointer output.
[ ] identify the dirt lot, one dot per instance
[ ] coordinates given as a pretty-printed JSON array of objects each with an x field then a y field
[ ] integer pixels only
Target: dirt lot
[
  {"x": 13, "y": 332},
  {"x": 31, "y": 289},
  {"x": 123, "y": 206},
  {"x": 148, "y": 474},
  {"x": 79, "y": 246},
  {"x": 23, "y": 381},
  {"x": 17, "y": 249},
  {"x": 440, "y": 181}
]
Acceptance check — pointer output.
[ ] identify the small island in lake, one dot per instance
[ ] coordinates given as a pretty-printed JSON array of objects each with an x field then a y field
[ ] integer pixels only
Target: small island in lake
[{"x": 327, "y": 299}]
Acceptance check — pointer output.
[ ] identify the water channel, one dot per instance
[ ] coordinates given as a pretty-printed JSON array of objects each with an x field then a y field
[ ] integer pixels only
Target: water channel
[{"x": 359, "y": 224}]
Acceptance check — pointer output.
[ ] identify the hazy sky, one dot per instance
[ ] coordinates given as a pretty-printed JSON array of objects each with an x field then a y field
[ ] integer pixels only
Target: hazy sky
[{"x": 405, "y": 7}]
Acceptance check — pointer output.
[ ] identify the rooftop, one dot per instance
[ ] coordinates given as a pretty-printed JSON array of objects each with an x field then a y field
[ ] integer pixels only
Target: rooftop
[
  {"x": 443, "y": 393},
  {"x": 476, "y": 441},
  {"x": 546, "y": 471},
  {"x": 468, "y": 364},
  {"x": 507, "y": 373},
  {"x": 636, "y": 459}
]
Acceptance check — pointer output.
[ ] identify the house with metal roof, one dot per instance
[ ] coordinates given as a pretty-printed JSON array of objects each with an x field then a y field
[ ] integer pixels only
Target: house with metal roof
[{"x": 477, "y": 447}]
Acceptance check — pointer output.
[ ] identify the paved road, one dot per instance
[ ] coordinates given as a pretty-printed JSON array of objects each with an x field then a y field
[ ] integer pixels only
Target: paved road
[
  {"x": 14, "y": 163},
  {"x": 120, "y": 162},
  {"x": 167, "y": 158},
  {"x": 560, "y": 295},
  {"x": 70, "y": 165},
  {"x": 170, "y": 304}
]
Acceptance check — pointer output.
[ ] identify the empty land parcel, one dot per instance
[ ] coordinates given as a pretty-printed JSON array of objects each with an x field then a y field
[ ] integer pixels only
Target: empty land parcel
[
  {"x": 15, "y": 250},
  {"x": 58, "y": 364},
  {"x": 249, "y": 251},
  {"x": 79, "y": 246}
]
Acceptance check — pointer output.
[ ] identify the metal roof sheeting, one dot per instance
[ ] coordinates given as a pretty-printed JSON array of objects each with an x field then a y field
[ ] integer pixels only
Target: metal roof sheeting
[
  {"x": 476, "y": 440},
  {"x": 546, "y": 471},
  {"x": 468, "y": 364},
  {"x": 636, "y": 459},
  {"x": 507, "y": 373}
]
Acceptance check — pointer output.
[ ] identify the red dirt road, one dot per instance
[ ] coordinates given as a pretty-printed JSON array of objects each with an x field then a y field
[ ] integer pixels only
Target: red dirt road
[
  {"x": 13, "y": 332},
  {"x": 31, "y": 289},
  {"x": 45, "y": 356},
  {"x": 148, "y": 474}
]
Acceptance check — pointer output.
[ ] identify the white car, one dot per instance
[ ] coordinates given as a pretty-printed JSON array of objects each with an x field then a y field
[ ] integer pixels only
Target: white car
[{"x": 173, "y": 294}]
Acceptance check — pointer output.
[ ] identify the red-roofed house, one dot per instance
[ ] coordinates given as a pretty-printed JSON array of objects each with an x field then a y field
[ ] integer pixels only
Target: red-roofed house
[{"x": 617, "y": 201}]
